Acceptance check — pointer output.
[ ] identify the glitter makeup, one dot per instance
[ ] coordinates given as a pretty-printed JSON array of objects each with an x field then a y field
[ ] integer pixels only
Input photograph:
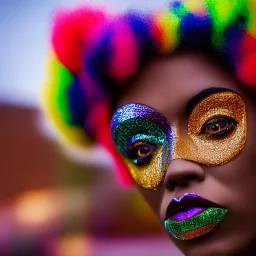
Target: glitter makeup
[
  {"x": 134, "y": 123},
  {"x": 196, "y": 226},
  {"x": 217, "y": 132},
  {"x": 192, "y": 216},
  {"x": 212, "y": 150},
  {"x": 187, "y": 214}
]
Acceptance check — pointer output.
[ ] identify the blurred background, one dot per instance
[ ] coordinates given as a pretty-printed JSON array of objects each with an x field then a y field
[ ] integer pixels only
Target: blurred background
[{"x": 57, "y": 201}]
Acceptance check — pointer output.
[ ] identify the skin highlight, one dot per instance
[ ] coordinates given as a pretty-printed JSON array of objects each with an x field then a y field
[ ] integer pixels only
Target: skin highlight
[{"x": 167, "y": 84}]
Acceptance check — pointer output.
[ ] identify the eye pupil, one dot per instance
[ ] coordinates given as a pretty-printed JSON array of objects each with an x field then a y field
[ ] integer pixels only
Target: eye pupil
[
  {"x": 143, "y": 151},
  {"x": 214, "y": 127}
]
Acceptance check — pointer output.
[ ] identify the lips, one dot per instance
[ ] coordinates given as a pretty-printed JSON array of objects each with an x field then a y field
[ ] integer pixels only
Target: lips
[{"x": 192, "y": 216}]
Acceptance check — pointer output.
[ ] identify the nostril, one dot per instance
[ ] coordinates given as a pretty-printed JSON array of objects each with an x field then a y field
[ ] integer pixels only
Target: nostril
[
  {"x": 171, "y": 185},
  {"x": 182, "y": 173},
  {"x": 182, "y": 182},
  {"x": 190, "y": 177}
]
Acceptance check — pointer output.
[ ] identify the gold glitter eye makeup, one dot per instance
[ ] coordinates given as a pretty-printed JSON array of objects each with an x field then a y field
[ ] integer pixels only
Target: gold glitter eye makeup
[
  {"x": 219, "y": 127},
  {"x": 217, "y": 130},
  {"x": 141, "y": 152}
]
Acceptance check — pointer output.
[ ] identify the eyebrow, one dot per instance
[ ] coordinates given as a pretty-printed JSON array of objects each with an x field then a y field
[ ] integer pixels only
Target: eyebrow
[{"x": 201, "y": 96}]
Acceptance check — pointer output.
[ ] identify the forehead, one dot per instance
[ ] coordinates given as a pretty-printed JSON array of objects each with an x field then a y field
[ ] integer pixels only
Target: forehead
[{"x": 168, "y": 83}]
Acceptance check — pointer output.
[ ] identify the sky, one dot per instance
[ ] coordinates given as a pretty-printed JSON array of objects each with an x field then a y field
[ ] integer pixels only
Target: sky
[{"x": 24, "y": 40}]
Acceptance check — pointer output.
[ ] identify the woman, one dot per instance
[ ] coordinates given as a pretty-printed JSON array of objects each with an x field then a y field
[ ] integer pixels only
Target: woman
[{"x": 174, "y": 91}]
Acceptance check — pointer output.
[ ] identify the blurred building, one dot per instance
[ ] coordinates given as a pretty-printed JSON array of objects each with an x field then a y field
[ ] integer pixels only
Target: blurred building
[{"x": 51, "y": 204}]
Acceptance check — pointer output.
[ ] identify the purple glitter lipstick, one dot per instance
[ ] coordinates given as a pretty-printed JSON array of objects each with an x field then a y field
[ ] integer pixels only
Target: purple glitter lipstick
[{"x": 187, "y": 214}]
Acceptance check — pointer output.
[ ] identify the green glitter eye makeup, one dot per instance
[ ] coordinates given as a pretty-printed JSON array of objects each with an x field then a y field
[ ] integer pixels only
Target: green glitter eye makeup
[{"x": 143, "y": 136}]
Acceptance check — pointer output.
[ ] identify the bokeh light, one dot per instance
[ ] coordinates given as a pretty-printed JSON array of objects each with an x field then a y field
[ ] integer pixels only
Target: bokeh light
[{"x": 37, "y": 208}]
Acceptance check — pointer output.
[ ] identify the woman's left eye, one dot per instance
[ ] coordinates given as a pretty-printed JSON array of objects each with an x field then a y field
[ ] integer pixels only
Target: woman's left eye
[
  {"x": 141, "y": 152},
  {"x": 218, "y": 127}
]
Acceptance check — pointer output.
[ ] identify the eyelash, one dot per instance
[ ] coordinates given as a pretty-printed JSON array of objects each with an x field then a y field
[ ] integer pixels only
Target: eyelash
[
  {"x": 135, "y": 149},
  {"x": 224, "y": 132}
]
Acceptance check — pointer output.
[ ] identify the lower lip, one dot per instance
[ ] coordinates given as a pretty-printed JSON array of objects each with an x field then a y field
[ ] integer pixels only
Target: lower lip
[{"x": 195, "y": 222}]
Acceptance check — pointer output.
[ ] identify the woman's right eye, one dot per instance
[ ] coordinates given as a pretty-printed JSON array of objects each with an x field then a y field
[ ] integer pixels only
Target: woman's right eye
[{"x": 141, "y": 152}]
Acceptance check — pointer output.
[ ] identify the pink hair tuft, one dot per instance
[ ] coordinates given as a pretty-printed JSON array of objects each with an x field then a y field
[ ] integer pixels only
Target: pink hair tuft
[{"x": 71, "y": 31}]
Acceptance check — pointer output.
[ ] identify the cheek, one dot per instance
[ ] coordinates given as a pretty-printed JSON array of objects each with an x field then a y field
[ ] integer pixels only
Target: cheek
[
  {"x": 251, "y": 138},
  {"x": 153, "y": 198},
  {"x": 237, "y": 178},
  {"x": 245, "y": 163}
]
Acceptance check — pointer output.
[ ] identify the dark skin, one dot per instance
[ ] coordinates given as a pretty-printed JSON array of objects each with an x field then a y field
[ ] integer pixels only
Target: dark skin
[{"x": 167, "y": 84}]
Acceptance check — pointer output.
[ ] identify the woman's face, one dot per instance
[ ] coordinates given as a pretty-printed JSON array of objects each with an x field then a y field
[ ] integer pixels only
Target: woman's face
[{"x": 195, "y": 143}]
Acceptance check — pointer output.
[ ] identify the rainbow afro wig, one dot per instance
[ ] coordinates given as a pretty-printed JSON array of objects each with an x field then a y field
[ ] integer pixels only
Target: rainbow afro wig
[{"x": 93, "y": 54}]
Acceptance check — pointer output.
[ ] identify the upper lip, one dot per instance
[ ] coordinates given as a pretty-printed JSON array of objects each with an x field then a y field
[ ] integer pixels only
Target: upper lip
[{"x": 188, "y": 200}]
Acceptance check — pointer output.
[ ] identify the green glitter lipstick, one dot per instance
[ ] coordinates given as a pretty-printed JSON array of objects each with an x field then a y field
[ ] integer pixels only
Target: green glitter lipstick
[{"x": 192, "y": 216}]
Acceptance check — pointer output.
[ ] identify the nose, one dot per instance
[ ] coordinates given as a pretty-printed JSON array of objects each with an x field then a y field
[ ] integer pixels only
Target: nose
[{"x": 181, "y": 173}]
